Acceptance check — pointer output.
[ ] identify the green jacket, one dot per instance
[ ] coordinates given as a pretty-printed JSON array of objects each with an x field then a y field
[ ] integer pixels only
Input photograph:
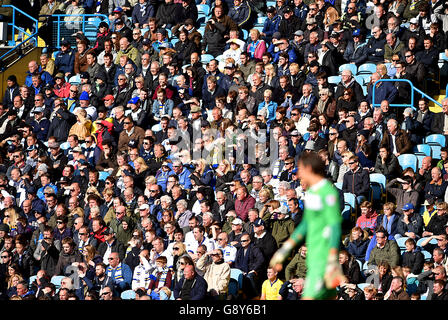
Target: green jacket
[
  {"x": 296, "y": 267},
  {"x": 282, "y": 229},
  {"x": 390, "y": 253}
]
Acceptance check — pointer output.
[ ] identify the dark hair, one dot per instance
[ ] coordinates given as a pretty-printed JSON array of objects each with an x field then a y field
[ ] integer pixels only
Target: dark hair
[{"x": 312, "y": 159}]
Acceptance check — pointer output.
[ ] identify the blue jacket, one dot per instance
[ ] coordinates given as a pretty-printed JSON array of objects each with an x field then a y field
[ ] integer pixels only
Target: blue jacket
[
  {"x": 271, "y": 26},
  {"x": 272, "y": 107},
  {"x": 41, "y": 128},
  {"x": 253, "y": 260},
  {"x": 358, "y": 249},
  {"x": 184, "y": 179},
  {"x": 384, "y": 91},
  {"x": 138, "y": 17},
  {"x": 167, "y": 108},
  {"x": 45, "y": 76},
  {"x": 65, "y": 62},
  {"x": 198, "y": 289},
  {"x": 241, "y": 15}
]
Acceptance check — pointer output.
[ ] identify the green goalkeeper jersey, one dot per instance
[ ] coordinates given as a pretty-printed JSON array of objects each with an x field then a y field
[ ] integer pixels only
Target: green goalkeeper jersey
[{"x": 321, "y": 223}]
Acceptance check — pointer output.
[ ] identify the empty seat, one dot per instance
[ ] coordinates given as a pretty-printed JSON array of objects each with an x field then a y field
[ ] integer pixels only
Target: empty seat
[
  {"x": 423, "y": 149},
  {"x": 334, "y": 79},
  {"x": 368, "y": 68},
  {"x": 408, "y": 160}
]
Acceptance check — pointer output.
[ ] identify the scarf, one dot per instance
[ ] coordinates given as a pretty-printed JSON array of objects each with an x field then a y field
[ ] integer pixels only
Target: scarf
[
  {"x": 159, "y": 274},
  {"x": 116, "y": 274},
  {"x": 388, "y": 224}
]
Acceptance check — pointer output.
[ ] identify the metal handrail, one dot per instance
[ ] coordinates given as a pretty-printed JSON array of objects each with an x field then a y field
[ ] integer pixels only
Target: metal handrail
[
  {"x": 59, "y": 20},
  {"x": 14, "y": 27},
  {"x": 413, "y": 88}
]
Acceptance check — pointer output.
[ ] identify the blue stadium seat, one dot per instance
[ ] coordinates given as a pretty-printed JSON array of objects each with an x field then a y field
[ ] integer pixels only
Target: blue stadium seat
[
  {"x": 350, "y": 66},
  {"x": 427, "y": 255},
  {"x": 65, "y": 145},
  {"x": 408, "y": 160},
  {"x": 31, "y": 279},
  {"x": 236, "y": 282},
  {"x": 206, "y": 58},
  {"x": 203, "y": 8},
  {"x": 75, "y": 80},
  {"x": 104, "y": 175},
  {"x": 128, "y": 295},
  {"x": 363, "y": 285},
  {"x": 423, "y": 149},
  {"x": 367, "y": 68},
  {"x": 261, "y": 20},
  {"x": 56, "y": 280},
  {"x": 245, "y": 34},
  {"x": 359, "y": 79},
  {"x": 420, "y": 158},
  {"x": 334, "y": 79},
  {"x": 338, "y": 185},
  {"x": 400, "y": 243},
  {"x": 378, "y": 178},
  {"x": 436, "y": 139},
  {"x": 421, "y": 240}
]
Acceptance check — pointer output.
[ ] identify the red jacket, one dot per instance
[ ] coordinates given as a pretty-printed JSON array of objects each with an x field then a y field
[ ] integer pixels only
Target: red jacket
[{"x": 242, "y": 207}]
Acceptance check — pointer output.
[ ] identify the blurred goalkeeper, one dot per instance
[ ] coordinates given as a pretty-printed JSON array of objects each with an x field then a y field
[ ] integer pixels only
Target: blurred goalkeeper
[{"x": 321, "y": 225}]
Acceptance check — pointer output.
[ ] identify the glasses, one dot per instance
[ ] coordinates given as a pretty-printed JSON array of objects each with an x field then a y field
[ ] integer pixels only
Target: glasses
[
  {"x": 82, "y": 234},
  {"x": 37, "y": 99},
  {"x": 220, "y": 239},
  {"x": 74, "y": 91},
  {"x": 289, "y": 162},
  {"x": 353, "y": 162},
  {"x": 106, "y": 293},
  {"x": 408, "y": 56},
  {"x": 110, "y": 259},
  {"x": 182, "y": 263},
  {"x": 59, "y": 222},
  {"x": 395, "y": 60},
  {"x": 126, "y": 123},
  {"x": 332, "y": 133},
  {"x": 4, "y": 257},
  {"x": 243, "y": 241},
  {"x": 121, "y": 79},
  {"x": 175, "y": 248},
  {"x": 153, "y": 190}
]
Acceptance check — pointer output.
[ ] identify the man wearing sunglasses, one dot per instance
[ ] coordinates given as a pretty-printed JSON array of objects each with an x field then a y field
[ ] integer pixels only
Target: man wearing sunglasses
[{"x": 356, "y": 180}]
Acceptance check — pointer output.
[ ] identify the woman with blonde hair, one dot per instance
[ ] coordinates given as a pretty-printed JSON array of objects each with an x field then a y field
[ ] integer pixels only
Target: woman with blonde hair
[
  {"x": 224, "y": 174},
  {"x": 271, "y": 78},
  {"x": 331, "y": 16},
  {"x": 264, "y": 195},
  {"x": 92, "y": 191},
  {"x": 256, "y": 47},
  {"x": 139, "y": 85},
  {"x": 141, "y": 172},
  {"x": 381, "y": 69},
  {"x": 358, "y": 243},
  {"x": 202, "y": 174},
  {"x": 13, "y": 281}
]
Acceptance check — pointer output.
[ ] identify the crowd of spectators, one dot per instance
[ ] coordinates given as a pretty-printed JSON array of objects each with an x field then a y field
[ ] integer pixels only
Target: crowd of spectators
[{"x": 160, "y": 174}]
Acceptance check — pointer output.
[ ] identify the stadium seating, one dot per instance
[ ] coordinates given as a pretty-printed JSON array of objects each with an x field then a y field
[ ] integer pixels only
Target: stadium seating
[
  {"x": 427, "y": 255},
  {"x": 334, "y": 79},
  {"x": 128, "y": 295},
  {"x": 423, "y": 149},
  {"x": 436, "y": 141},
  {"x": 408, "y": 160},
  {"x": 236, "y": 282},
  {"x": 367, "y": 68},
  {"x": 350, "y": 66},
  {"x": 400, "y": 243},
  {"x": 56, "y": 280}
]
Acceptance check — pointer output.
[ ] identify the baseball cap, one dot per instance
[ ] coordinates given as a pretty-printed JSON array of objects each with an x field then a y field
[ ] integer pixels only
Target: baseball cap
[
  {"x": 32, "y": 147},
  {"x": 294, "y": 133},
  {"x": 334, "y": 34},
  {"x": 118, "y": 9},
  {"x": 356, "y": 33},
  {"x": 132, "y": 143},
  {"x": 287, "y": 9},
  {"x": 59, "y": 75},
  {"x": 298, "y": 33},
  {"x": 108, "y": 231},
  {"x": 4, "y": 227},
  {"x": 413, "y": 21},
  {"x": 118, "y": 21},
  {"x": 162, "y": 31},
  {"x": 309, "y": 145},
  {"x": 195, "y": 108},
  {"x": 77, "y": 149},
  {"x": 276, "y": 35},
  {"x": 230, "y": 66},
  {"x": 109, "y": 97},
  {"x": 259, "y": 222},
  {"x": 146, "y": 42},
  {"x": 408, "y": 206},
  {"x": 314, "y": 63},
  {"x": 237, "y": 221},
  {"x": 270, "y": 9},
  {"x": 84, "y": 75},
  {"x": 134, "y": 100},
  {"x": 65, "y": 42},
  {"x": 38, "y": 110},
  {"x": 84, "y": 96}
]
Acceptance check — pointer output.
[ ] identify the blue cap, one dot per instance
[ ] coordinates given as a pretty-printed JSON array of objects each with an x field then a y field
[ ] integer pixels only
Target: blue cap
[
  {"x": 294, "y": 171},
  {"x": 259, "y": 222},
  {"x": 408, "y": 206},
  {"x": 84, "y": 96},
  {"x": 356, "y": 33},
  {"x": 134, "y": 100},
  {"x": 118, "y": 9}
]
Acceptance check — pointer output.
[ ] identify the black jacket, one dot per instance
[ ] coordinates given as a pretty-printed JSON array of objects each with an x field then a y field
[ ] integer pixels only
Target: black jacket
[
  {"x": 254, "y": 262},
  {"x": 117, "y": 246},
  {"x": 413, "y": 260},
  {"x": 267, "y": 246},
  {"x": 198, "y": 289},
  {"x": 357, "y": 182}
]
